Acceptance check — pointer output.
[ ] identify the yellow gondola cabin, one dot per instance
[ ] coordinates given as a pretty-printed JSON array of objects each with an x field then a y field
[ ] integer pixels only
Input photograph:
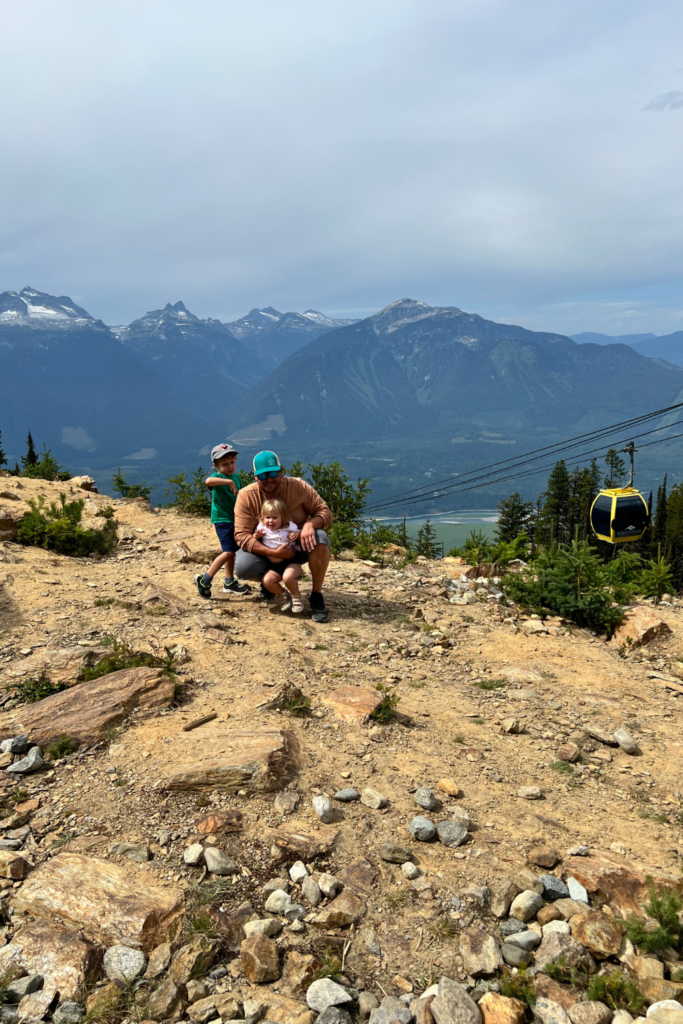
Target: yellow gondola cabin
[{"x": 619, "y": 514}]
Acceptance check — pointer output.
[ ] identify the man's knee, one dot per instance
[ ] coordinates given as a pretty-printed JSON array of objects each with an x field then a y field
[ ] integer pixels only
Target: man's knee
[{"x": 249, "y": 566}]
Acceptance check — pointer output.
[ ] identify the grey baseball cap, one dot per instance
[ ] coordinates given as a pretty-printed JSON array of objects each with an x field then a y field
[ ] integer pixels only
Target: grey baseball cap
[{"x": 221, "y": 450}]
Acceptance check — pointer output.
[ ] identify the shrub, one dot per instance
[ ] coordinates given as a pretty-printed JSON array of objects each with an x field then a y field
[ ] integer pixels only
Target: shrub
[
  {"x": 122, "y": 656},
  {"x": 657, "y": 579},
  {"x": 33, "y": 690},
  {"x": 386, "y": 710},
  {"x": 518, "y": 986},
  {"x": 569, "y": 581},
  {"x": 61, "y": 747},
  {"x": 58, "y": 528},
  {"x": 121, "y": 486},
  {"x": 664, "y": 907},
  {"x": 299, "y": 707},
  {"x": 45, "y": 468},
  {"x": 342, "y": 537},
  {"x": 190, "y": 495},
  {"x": 490, "y": 684},
  {"x": 617, "y": 992},
  {"x": 426, "y": 543}
]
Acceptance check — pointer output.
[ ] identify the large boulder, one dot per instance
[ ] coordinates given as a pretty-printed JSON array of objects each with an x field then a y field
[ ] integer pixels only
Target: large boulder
[
  {"x": 599, "y": 933},
  {"x": 84, "y": 712},
  {"x": 66, "y": 961},
  {"x": 617, "y": 881},
  {"x": 111, "y": 905},
  {"x": 640, "y": 626},
  {"x": 259, "y": 760}
]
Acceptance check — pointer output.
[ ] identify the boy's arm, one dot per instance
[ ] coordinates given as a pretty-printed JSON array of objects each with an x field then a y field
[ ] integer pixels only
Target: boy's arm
[{"x": 216, "y": 481}]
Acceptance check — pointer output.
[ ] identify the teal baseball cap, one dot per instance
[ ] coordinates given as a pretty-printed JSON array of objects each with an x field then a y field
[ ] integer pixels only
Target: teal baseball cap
[{"x": 266, "y": 462}]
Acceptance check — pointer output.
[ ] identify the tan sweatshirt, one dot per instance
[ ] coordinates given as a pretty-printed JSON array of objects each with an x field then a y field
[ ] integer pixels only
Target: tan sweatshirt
[{"x": 299, "y": 497}]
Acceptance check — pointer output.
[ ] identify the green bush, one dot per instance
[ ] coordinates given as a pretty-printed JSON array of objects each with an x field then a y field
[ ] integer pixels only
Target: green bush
[
  {"x": 520, "y": 986},
  {"x": 617, "y": 992},
  {"x": 33, "y": 690},
  {"x": 61, "y": 747},
  {"x": 121, "y": 486},
  {"x": 664, "y": 907},
  {"x": 657, "y": 579},
  {"x": 58, "y": 528},
  {"x": 386, "y": 710},
  {"x": 122, "y": 656},
  {"x": 569, "y": 581},
  {"x": 342, "y": 537},
  {"x": 190, "y": 495},
  {"x": 45, "y": 468}
]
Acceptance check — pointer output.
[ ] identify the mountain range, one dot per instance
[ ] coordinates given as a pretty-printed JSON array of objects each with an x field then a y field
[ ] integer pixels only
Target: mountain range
[
  {"x": 664, "y": 346},
  {"x": 408, "y": 392}
]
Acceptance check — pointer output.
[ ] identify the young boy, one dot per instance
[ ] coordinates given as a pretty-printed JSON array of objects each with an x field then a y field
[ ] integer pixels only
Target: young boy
[{"x": 224, "y": 485}]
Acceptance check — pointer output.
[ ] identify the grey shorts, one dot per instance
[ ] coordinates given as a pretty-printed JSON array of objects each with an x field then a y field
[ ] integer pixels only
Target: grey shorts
[{"x": 253, "y": 567}]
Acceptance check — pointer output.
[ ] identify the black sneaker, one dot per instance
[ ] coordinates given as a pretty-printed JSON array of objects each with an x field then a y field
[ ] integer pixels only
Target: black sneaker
[
  {"x": 317, "y": 603},
  {"x": 265, "y": 595},
  {"x": 235, "y": 587},
  {"x": 204, "y": 591}
]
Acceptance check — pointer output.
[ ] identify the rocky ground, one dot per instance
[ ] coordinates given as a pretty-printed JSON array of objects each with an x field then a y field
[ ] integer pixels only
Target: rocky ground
[{"x": 266, "y": 865}]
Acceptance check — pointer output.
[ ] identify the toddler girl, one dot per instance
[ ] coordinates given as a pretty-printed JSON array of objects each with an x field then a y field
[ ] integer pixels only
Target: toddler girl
[{"x": 274, "y": 530}]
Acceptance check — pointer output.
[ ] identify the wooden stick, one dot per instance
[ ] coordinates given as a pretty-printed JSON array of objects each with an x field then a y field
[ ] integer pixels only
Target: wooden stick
[{"x": 199, "y": 721}]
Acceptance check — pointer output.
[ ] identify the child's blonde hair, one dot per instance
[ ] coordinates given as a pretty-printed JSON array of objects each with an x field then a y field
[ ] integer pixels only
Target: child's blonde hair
[{"x": 276, "y": 507}]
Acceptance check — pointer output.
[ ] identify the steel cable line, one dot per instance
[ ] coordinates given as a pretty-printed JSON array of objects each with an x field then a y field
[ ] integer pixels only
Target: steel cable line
[
  {"x": 544, "y": 469},
  {"x": 559, "y": 447}
]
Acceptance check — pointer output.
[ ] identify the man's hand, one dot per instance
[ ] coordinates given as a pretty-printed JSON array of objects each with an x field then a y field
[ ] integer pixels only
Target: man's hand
[
  {"x": 284, "y": 551},
  {"x": 307, "y": 538}
]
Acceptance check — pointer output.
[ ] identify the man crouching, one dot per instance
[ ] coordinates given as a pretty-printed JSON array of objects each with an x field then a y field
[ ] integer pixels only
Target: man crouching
[{"x": 307, "y": 510}]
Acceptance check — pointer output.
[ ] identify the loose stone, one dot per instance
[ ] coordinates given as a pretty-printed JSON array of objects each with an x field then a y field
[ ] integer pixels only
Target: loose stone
[
  {"x": 123, "y": 964},
  {"x": 425, "y": 799},
  {"x": 450, "y": 833},
  {"x": 347, "y": 795},
  {"x": 322, "y": 806},
  {"x": 422, "y": 829},
  {"x": 373, "y": 799},
  {"x": 217, "y": 862}
]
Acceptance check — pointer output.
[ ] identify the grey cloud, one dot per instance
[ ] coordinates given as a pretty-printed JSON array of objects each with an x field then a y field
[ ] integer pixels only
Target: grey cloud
[
  {"x": 484, "y": 153},
  {"x": 667, "y": 101}
]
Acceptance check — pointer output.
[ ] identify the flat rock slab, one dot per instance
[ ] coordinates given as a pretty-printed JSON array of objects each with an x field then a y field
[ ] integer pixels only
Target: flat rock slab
[
  {"x": 260, "y": 760},
  {"x": 353, "y": 704},
  {"x": 85, "y": 711},
  {"x": 110, "y": 904},
  {"x": 64, "y": 959},
  {"x": 64, "y": 664},
  {"x": 622, "y": 883},
  {"x": 173, "y": 603},
  {"x": 305, "y": 845}
]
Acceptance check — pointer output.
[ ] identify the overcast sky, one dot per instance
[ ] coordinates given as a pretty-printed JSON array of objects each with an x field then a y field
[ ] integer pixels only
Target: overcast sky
[{"x": 516, "y": 158}]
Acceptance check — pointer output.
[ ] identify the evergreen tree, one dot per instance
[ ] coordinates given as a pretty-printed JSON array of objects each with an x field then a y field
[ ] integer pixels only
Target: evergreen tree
[
  {"x": 426, "y": 541},
  {"x": 126, "y": 490},
  {"x": 515, "y": 516},
  {"x": 31, "y": 458},
  {"x": 659, "y": 518},
  {"x": 47, "y": 468},
  {"x": 3, "y": 457},
  {"x": 617, "y": 469},
  {"x": 554, "y": 519}
]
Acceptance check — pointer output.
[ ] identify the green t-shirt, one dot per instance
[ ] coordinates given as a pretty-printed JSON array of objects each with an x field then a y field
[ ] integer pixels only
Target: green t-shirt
[{"x": 223, "y": 500}]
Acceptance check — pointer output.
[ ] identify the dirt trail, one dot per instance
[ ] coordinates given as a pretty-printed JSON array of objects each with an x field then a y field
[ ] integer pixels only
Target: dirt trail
[{"x": 239, "y": 652}]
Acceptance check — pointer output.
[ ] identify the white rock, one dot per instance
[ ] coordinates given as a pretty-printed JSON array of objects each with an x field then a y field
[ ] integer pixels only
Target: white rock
[
  {"x": 626, "y": 741},
  {"x": 410, "y": 870},
  {"x": 265, "y": 926},
  {"x": 561, "y": 927},
  {"x": 278, "y": 902},
  {"x": 664, "y": 1004},
  {"x": 298, "y": 871},
  {"x": 329, "y": 885},
  {"x": 373, "y": 799},
  {"x": 194, "y": 854},
  {"x": 121, "y": 963},
  {"x": 323, "y": 808},
  {"x": 577, "y": 891},
  {"x": 324, "y": 993},
  {"x": 217, "y": 862}
]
